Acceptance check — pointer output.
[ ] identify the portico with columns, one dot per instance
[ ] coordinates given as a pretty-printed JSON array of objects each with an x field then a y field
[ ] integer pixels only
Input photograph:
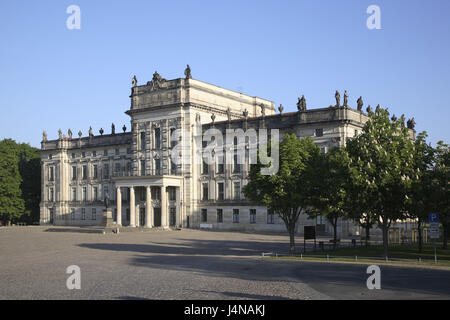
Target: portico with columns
[{"x": 153, "y": 201}]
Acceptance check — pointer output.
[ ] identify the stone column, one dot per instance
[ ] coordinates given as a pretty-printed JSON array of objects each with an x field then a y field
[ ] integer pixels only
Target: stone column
[
  {"x": 163, "y": 207},
  {"x": 132, "y": 208},
  {"x": 119, "y": 206},
  {"x": 148, "y": 202}
]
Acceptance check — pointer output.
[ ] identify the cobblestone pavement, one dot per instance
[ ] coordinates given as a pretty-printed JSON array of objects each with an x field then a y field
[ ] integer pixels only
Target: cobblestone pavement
[{"x": 187, "y": 264}]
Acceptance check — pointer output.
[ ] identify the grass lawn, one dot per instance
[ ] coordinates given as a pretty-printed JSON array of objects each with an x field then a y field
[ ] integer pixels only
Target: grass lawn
[{"x": 396, "y": 252}]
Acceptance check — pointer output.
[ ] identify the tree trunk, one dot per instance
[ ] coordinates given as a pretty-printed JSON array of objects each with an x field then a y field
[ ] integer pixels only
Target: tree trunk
[
  {"x": 292, "y": 239},
  {"x": 334, "y": 234},
  {"x": 367, "y": 234},
  {"x": 385, "y": 229},
  {"x": 419, "y": 232}
]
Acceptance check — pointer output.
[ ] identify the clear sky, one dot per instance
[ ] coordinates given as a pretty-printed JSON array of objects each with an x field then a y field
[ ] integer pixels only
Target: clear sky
[{"x": 52, "y": 77}]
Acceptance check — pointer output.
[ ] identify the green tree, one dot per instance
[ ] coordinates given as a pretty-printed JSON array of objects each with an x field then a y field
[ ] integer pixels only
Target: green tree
[
  {"x": 420, "y": 195},
  {"x": 11, "y": 203},
  {"x": 331, "y": 187},
  {"x": 441, "y": 187},
  {"x": 288, "y": 192},
  {"x": 381, "y": 157}
]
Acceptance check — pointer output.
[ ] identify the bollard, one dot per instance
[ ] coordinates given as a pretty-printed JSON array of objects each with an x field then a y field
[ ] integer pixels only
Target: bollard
[
  {"x": 356, "y": 258},
  {"x": 328, "y": 258}
]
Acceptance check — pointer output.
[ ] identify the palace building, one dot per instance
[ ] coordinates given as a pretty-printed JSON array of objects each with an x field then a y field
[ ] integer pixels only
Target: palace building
[{"x": 147, "y": 188}]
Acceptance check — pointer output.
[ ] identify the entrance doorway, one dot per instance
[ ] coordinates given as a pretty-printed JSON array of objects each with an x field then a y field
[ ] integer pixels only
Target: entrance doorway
[
  {"x": 172, "y": 216},
  {"x": 141, "y": 217},
  {"x": 157, "y": 217}
]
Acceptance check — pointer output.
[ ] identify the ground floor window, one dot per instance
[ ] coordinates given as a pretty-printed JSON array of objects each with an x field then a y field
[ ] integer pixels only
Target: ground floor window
[
  {"x": 235, "y": 215},
  {"x": 83, "y": 213},
  {"x": 94, "y": 214},
  {"x": 252, "y": 215},
  {"x": 204, "y": 215},
  {"x": 219, "y": 215}
]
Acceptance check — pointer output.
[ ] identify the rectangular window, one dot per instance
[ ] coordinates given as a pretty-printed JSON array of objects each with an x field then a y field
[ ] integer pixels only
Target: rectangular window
[
  {"x": 74, "y": 194},
  {"x": 85, "y": 173},
  {"x": 84, "y": 194},
  {"x": 220, "y": 166},
  {"x": 117, "y": 151},
  {"x": 157, "y": 138},
  {"x": 157, "y": 166},
  {"x": 51, "y": 195},
  {"x": 172, "y": 194},
  {"x": 235, "y": 215},
  {"x": 105, "y": 153},
  {"x": 117, "y": 167},
  {"x": 95, "y": 171},
  {"x": 106, "y": 171},
  {"x": 95, "y": 195},
  {"x": 94, "y": 153},
  {"x": 204, "y": 215},
  {"x": 219, "y": 215},
  {"x": 142, "y": 140},
  {"x": 205, "y": 167},
  {"x": 236, "y": 165},
  {"x": 51, "y": 174},
  {"x": 129, "y": 151},
  {"x": 73, "y": 155},
  {"x": 236, "y": 190},
  {"x": 252, "y": 215},
  {"x": 270, "y": 217},
  {"x": 205, "y": 189},
  {"x": 142, "y": 167},
  {"x": 83, "y": 213},
  {"x": 74, "y": 173},
  {"x": 220, "y": 191},
  {"x": 83, "y": 154},
  {"x": 72, "y": 214},
  {"x": 105, "y": 191},
  {"x": 94, "y": 214},
  {"x": 319, "y": 132}
]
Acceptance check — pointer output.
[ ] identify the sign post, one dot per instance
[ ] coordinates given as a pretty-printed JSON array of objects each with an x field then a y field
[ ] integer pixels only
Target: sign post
[{"x": 434, "y": 231}]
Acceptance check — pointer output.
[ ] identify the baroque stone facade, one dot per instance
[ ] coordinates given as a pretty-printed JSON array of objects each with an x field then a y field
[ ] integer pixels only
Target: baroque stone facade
[{"x": 146, "y": 188}]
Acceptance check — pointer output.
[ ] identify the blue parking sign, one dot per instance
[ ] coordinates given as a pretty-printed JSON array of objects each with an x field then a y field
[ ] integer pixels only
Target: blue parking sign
[{"x": 434, "y": 217}]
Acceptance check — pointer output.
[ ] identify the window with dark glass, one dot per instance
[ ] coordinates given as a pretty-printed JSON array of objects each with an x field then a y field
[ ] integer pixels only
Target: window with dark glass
[
  {"x": 252, "y": 215},
  {"x": 236, "y": 191},
  {"x": 205, "y": 191},
  {"x": 270, "y": 217},
  {"x": 220, "y": 191},
  {"x": 319, "y": 132},
  {"x": 85, "y": 173},
  {"x": 235, "y": 215},
  {"x": 157, "y": 138},
  {"x": 74, "y": 173},
  {"x": 105, "y": 171},
  {"x": 204, "y": 215},
  {"x": 219, "y": 215},
  {"x": 143, "y": 140},
  {"x": 95, "y": 173}
]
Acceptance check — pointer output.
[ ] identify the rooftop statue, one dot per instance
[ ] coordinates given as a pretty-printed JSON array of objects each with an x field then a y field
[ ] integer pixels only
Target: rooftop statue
[
  {"x": 124, "y": 128},
  {"x": 402, "y": 121},
  {"x": 301, "y": 103},
  {"x": 263, "y": 110},
  {"x": 134, "y": 81},
  {"x": 59, "y": 134},
  {"x": 91, "y": 134},
  {"x": 394, "y": 118},
  {"x": 411, "y": 123},
  {"x": 360, "y": 103},
  {"x": 345, "y": 99},
  {"x": 369, "y": 109},
  {"x": 281, "y": 108},
  {"x": 245, "y": 113},
  {"x": 69, "y": 133},
  {"x": 113, "y": 129},
  {"x": 44, "y": 136},
  {"x": 187, "y": 72},
  {"x": 338, "y": 99}
]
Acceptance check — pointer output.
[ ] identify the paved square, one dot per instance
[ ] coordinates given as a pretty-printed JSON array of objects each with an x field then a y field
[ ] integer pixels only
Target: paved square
[{"x": 187, "y": 264}]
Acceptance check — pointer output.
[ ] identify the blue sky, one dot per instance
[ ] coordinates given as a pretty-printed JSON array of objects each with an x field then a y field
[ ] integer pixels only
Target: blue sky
[{"x": 52, "y": 77}]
